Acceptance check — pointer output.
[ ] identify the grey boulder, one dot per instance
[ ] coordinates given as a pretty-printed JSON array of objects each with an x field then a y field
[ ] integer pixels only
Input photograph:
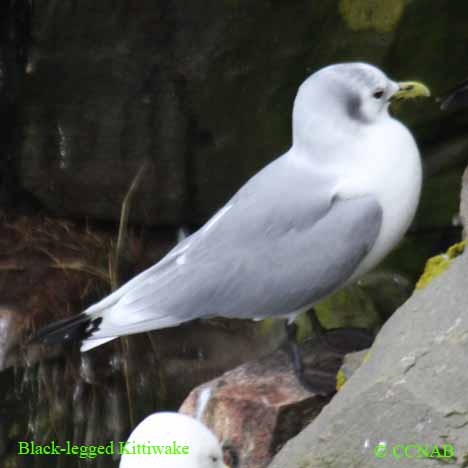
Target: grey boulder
[{"x": 413, "y": 389}]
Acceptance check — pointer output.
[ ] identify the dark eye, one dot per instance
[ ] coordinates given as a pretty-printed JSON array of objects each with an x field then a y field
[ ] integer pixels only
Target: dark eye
[
  {"x": 214, "y": 459},
  {"x": 378, "y": 94}
]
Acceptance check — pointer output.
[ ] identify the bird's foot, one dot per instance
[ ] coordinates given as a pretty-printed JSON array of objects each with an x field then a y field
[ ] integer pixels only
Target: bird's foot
[{"x": 317, "y": 360}]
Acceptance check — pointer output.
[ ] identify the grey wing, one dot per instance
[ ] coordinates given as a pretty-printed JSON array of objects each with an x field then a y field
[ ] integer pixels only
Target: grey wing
[
  {"x": 270, "y": 251},
  {"x": 288, "y": 272}
]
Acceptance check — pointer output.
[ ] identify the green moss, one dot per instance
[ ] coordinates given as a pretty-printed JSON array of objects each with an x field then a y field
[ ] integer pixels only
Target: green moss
[
  {"x": 438, "y": 264},
  {"x": 340, "y": 380},
  {"x": 349, "y": 307},
  {"x": 380, "y": 15},
  {"x": 266, "y": 325},
  {"x": 346, "y": 371}
]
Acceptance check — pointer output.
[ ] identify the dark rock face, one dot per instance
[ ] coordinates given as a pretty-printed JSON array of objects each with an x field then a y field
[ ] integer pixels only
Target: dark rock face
[
  {"x": 204, "y": 97},
  {"x": 14, "y": 47},
  {"x": 99, "y": 101}
]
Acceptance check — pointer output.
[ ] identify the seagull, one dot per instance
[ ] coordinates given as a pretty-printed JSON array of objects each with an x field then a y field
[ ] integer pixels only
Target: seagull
[
  {"x": 171, "y": 440},
  {"x": 309, "y": 223}
]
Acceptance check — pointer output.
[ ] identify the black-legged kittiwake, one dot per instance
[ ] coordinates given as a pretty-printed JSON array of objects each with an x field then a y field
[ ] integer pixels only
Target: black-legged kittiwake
[{"x": 309, "y": 223}]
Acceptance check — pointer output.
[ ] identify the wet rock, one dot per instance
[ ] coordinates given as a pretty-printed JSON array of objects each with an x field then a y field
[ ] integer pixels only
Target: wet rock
[
  {"x": 14, "y": 46},
  {"x": 99, "y": 102},
  {"x": 362, "y": 15},
  {"x": 110, "y": 87},
  {"x": 10, "y": 335}
]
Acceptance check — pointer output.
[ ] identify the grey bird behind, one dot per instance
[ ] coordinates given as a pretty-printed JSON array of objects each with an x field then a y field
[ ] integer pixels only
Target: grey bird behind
[{"x": 456, "y": 98}]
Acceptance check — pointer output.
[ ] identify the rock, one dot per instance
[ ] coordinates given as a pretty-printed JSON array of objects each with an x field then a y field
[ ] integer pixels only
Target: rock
[
  {"x": 438, "y": 264},
  {"x": 11, "y": 327},
  {"x": 99, "y": 101},
  {"x": 412, "y": 389},
  {"x": 255, "y": 408},
  {"x": 464, "y": 203},
  {"x": 388, "y": 290},
  {"x": 99, "y": 396},
  {"x": 351, "y": 363},
  {"x": 110, "y": 87},
  {"x": 258, "y": 406},
  {"x": 199, "y": 351},
  {"x": 15, "y": 38}
]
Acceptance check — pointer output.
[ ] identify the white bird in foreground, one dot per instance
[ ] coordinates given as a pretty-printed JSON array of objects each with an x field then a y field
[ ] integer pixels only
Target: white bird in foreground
[
  {"x": 312, "y": 221},
  {"x": 171, "y": 440}
]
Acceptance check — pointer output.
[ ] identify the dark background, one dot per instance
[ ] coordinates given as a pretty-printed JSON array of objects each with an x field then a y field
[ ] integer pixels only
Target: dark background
[{"x": 201, "y": 94}]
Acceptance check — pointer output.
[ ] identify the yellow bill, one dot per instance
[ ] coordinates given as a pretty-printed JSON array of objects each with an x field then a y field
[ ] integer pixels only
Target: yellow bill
[{"x": 410, "y": 89}]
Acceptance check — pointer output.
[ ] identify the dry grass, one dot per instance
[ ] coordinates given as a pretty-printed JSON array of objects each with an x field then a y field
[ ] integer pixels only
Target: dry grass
[{"x": 51, "y": 268}]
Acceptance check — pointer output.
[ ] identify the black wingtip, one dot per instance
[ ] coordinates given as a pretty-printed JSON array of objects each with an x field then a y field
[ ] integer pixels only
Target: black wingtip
[{"x": 75, "y": 328}]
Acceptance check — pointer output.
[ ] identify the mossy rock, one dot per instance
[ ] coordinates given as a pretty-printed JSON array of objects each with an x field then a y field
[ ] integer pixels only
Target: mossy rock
[{"x": 438, "y": 264}]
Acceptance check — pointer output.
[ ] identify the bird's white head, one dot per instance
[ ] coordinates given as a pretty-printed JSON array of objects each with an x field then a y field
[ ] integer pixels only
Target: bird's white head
[
  {"x": 195, "y": 444},
  {"x": 344, "y": 97}
]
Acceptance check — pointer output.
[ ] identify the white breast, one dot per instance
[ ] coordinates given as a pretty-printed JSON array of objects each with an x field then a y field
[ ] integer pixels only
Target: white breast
[{"x": 390, "y": 169}]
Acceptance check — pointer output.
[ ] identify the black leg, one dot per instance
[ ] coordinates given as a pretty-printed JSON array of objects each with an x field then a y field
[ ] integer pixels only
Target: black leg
[
  {"x": 317, "y": 360},
  {"x": 294, "y": 350},
  {"x": 341, "y": 340},
  {"x": 314, "y": 385}
]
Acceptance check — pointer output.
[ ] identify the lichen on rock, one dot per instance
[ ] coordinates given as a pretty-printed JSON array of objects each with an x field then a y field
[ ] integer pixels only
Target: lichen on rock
[
  {"x": 438, "y": 264},
  {"x": 380, "y": 15},
  {"x": 351, "y": 363}
]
